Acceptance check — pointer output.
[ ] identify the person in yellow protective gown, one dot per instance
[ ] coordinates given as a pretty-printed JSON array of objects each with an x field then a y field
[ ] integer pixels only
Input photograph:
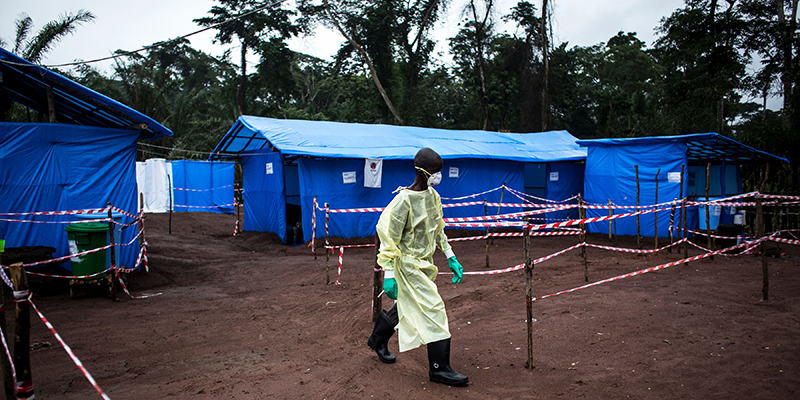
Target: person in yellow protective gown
[{"x": 410, "y": 228}]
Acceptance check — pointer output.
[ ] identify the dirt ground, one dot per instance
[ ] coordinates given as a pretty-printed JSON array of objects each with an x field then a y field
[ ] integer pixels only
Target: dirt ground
[{"x": 246, "y": 317}]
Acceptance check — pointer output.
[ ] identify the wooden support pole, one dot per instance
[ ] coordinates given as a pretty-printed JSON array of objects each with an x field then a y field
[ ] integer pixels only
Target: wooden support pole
[
  {"x": 377, "y": 282},
  {"x": 582, "y": 215},
  {"x": 9, "y": 386},
  {"x": 655, "y": 214},
  {"x": 671, "y": 224},
  {"x": 238, "y": 204},
  {"x": 314, "y": 229},
  {"x": 22, "y": 332},
  {"x": 708, "y": 208},
  {"x": 327, "y": 254},
  {"x": 51, "y": 106},
  {"x": 609, "y": 221},
  {"x": 685, "y": 229},
  {"x": 112, "y": 278},
  {"x": 683, "y": 208},
  {"x": 638, "y": 231},
  {"x": 763, "y": 248},
  {"x": 528, "y": 296},
  {"x": 169, "y": 182},
  {"x": 141, "y": 219},
  {"x": 486, "y": 214}
]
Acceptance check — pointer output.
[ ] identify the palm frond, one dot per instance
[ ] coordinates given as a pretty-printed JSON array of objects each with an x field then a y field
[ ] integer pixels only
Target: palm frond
[{"x": 52, "y": 32}]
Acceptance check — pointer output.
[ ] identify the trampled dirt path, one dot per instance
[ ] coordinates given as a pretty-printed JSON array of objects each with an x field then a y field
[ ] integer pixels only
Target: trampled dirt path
[{"x": 246, "y": 317}]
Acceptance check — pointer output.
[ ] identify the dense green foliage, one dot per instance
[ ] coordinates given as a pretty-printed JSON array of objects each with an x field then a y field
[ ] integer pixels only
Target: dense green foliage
[{"x": 708, "y": 58}]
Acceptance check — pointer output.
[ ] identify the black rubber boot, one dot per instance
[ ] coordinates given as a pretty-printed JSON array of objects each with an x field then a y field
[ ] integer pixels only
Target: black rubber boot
[
  {"x": 439, "y": 361},
  {"x": 383, "y": 331}
]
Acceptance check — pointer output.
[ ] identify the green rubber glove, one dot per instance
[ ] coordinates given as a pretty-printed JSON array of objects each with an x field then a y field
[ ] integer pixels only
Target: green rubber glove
[
  {"x": 458, "y": 270},
  {"x": 390, "y": 288}
]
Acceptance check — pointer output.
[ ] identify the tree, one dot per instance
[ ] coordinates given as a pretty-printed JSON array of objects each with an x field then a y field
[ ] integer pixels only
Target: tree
[
  {"x": 35, "y": 48},
  {"x": 249, "y": 21}
]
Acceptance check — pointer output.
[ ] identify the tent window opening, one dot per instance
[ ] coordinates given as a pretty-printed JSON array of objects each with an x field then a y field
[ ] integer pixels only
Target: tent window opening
[{"x": 294, "y": 212}]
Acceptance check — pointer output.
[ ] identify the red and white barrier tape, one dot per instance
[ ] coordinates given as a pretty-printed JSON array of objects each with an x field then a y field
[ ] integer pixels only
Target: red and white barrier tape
[
  {"x": 202, "y": 190},
  {"x": 780, "y": 197},
  {"x": 89, "y": 211},
  {"x": 635, "y": 251},
  {"x": 86, "y": 221},
  {"x": 215, "y": 206},
  {"x": 643, "y": 271},
  {"x": 351, "y": 246},
  {"x": 236, "y": 228},
  {"x": 590, "y": 220},
  {"x": 356, "y": 210},
  {"x": 69, "y": 351},
  {"x": 505, "y": 216},
  {"x": 469, "y": 203},
  {"x": 472, "y": 196},
  {"x": 499, "y": 224},
  {"x": 522, "y": 195},
  {"x": 717, "y": 236},
  {"x": 788, "y": 241},
  {"x": 123, "y": 212},
  {"x": 125, "y": 289}
]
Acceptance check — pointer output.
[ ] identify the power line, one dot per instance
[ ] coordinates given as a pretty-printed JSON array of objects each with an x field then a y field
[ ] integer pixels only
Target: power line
[
  {"x": 152, "y": 46},
  {"x": 174, "y": 149}
]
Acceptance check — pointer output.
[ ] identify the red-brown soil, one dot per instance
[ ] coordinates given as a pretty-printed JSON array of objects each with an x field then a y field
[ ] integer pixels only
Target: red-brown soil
[{"x": 246, "y": 317}]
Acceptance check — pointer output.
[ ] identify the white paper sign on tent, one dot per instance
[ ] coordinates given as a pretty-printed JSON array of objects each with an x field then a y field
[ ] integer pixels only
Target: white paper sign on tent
[
  {"x": 349, "y": 177},
  {"x": 269, "y": 168},
  {"x": 674, "y": 177},
  {"x": 453, "y": 172},
  {"x": 554, "y": 176},
  {"x": 373, "y": 171}
]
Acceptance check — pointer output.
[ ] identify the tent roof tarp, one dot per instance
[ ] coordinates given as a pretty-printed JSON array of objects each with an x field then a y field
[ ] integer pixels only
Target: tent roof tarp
[
  {"x": 326, "y": 139},
  {"x": 27, "y": 84},
  {"x": 701, "y": 147}
]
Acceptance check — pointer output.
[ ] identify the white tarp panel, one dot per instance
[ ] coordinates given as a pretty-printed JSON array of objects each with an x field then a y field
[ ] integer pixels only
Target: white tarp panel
[{"x": 153, "y": 180}]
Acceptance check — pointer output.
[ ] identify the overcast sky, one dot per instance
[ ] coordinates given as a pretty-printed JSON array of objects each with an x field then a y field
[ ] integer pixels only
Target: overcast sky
[{"x": 130, "y": 25}]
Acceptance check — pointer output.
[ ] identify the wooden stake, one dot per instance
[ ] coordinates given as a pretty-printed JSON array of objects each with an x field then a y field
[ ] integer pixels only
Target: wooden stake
[
  {"x": 638, "y": 231},
  {"x": 486, "y": 214},
  {"x": 169, "y": 182},
  {"x": 656, "y": 213},
  {"x": 112, "y": 286},
  {"x": 708, "y": 208},
  {"x": 759, "y": 234},
  {"x": 377, "y": 282},
  {"x": 528, "y": 296},
  {"x": 671, "y": 223},
  {"x": 685, "y": 230},
  {"x": 314, "y": 228},
  {"x": 22, "y": 332},
  {"x": 9, "y": 386},
  {"x": 682, "y": 215},
  {"x": 141, "y": 220},
  {"x": 582, "y": 215},
  {"x": 609, "y": 221},
  {"x": 51, "y": 107},
  {"x": 327, "y": 254}
]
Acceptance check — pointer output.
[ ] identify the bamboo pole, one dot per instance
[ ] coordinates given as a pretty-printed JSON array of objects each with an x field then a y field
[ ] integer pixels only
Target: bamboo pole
[
  {"x": 638, "y": 231},
  {"x": 377, "y": 283},
  {"x": 238, "y": 209},
  {"x": 582, "y": 215},
  {"x": 685, "y": 230},
  {"x": 763, "y": 247},
  {"x": 682, "y": 215},
  {"x": 609, "y": 221},
  {"x": 655, "y": 214},
  {"x": 112, "y": 289},
  {"x": 528, "y": 297},
  {"x": 22, "y": 332},
  {"x": 486, "y": 214},
  {"x": 9, "y": 386},
  {"x": 169, "y": 182}
]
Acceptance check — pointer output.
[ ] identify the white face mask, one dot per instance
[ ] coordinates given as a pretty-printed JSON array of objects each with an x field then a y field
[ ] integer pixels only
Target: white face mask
[{"x": 435, "y": 179}]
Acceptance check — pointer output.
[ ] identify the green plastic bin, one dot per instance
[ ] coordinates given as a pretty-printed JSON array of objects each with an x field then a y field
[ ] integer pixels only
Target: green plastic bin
[{"x": 88, "y": 236}]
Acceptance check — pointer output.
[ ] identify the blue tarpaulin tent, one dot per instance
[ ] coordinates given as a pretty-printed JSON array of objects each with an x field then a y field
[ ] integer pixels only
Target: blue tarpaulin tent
[
  {"x": 82, "y": 163},
  {"x": 611, "y": 174},
  {"x": 287, "y": 162}
]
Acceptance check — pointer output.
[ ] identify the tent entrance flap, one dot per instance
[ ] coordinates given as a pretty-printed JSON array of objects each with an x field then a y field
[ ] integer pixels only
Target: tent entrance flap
[{"x": 264, "y": 193}]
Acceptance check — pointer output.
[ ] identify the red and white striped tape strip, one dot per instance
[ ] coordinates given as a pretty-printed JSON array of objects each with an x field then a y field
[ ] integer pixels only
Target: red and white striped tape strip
[
  {"x": 351, "y": 246},
  {"x": 636, "y": 251},
  {"x": 523, "y": 195},
  {"x": 780, "y": 197},
  {"x": 216, "y": 206},
  {"x": 85, "y": 221},
  {"x": 355, "y": 210},
  {"x": 125, "y": 289},
  {"x": 123, "y": 212},
  {"x": 505, "y": 216},
  {"x": 469, "y": 203},
  {"x": 472, "y": 196},
  {"x": 69, "y": 351},
  {"x": 590, "y": 220},
  {"x": 499, "y": 224},
  {"x": 788, "y": 241},
  {"x": 202, "y": 190},
  {"x": 89, "y": 211},
  {"x": 717, "y": 236},
  {"x": 643, "y": 271}
]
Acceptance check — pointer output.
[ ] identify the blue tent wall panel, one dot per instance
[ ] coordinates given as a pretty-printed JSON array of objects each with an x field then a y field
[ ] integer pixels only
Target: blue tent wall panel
[
  {"x": 611, "y": 174},
  {"x": 323, "y": 177},
  {"x": 211, "y": 185},
  {"x": 59, "y": 167},
  {"x": 697, "y": 181},
  {"x": 564, "y": 180},
  {"x": 264, "y": 194}
]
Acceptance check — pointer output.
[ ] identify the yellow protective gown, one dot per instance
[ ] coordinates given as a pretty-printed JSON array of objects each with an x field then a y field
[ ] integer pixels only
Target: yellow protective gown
[{"x": 409, "y": 228}]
